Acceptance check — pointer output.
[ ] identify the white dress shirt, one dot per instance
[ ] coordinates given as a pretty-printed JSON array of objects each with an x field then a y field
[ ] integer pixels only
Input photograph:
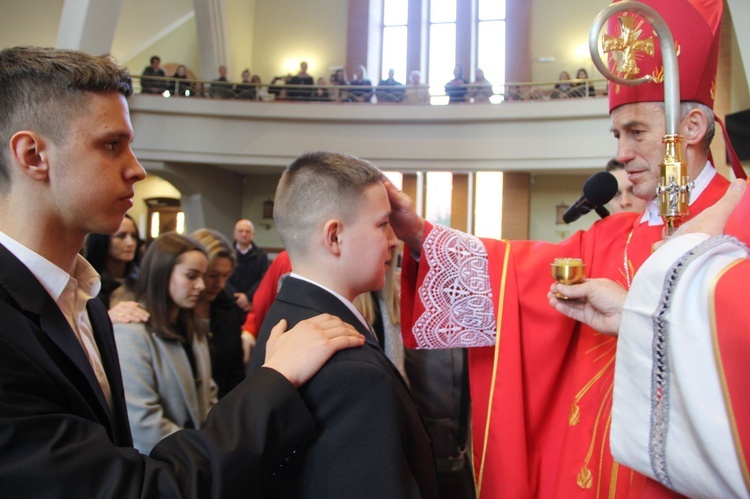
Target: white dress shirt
[{"x": 71, "y": 293}]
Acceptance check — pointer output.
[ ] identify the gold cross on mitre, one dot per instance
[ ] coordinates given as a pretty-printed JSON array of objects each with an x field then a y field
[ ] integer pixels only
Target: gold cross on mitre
[{"x": 629, "y": 44}]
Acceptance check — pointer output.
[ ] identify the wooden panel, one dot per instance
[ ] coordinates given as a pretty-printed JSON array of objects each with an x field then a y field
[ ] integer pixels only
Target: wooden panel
[
  {"x": 460, "y": 201},
  {"x": 516, "y": 203},
  {"x": 410, "y": 186}
]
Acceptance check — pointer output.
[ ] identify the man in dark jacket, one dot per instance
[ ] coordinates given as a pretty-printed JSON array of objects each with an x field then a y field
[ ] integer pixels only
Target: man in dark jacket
[
  {"x": 66, "y": 170},
  {"x": 151, "y": 85},
  {"x": 252, "y": 263}
]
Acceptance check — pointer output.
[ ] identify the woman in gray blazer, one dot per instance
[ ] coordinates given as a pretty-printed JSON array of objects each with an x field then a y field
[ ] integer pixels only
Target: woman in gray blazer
[{"x": 166, "y": 366}]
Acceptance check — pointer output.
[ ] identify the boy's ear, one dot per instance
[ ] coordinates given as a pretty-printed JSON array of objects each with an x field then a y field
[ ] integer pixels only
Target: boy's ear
[
  {"x": 29, "y": 152},
  {"x": 332, "y": 234}
]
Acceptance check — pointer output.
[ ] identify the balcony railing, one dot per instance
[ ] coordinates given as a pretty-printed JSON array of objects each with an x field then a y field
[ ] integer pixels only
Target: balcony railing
[{"x": 381, "y": 94}]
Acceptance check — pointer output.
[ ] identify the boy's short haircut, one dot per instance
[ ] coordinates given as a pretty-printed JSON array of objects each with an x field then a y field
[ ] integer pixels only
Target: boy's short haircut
[
  {"x": 43, "y": 89},
  {"x": 315, "y": 188}
]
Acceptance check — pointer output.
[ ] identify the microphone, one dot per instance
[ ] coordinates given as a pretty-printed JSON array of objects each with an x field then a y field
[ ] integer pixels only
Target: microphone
[{"x": 598, "y": 190}]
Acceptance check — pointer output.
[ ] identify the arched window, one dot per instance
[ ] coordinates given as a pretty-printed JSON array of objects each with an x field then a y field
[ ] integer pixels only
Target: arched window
[
  {"x": 434, "y": 35},
  {"x": 442, "y": 27},
  {"x": 491, "y": 43},
  {"x": 395, "y": 28}
]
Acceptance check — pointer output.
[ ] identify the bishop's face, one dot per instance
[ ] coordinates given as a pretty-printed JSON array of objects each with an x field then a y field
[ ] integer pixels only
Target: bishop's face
[{"x": 639, "y": 129}]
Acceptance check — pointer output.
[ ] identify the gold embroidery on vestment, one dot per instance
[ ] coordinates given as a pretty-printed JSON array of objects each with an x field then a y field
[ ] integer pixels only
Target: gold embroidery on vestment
[
  {"x": 574, "y": 415},
  {"x": 615, "y": 466},
  {"x": 584, "y": 478},
  {"x": 628, "y": 46},
  {"x": 581, "y": 480},
  {"x": 658, "y": 74}
]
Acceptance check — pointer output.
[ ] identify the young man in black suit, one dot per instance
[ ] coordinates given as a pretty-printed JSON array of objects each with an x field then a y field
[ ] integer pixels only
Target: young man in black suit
[
  {"x": 67, "y": 169},
  {"x": 332, "y": 213}
]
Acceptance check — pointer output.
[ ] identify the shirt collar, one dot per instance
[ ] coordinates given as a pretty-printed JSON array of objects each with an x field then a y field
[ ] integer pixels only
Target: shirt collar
[
  {"x": 651, "y": 214},
  {"x": 52, "y": 278},
  {"x": 343, "y": 300},
  {"x": 244, "y": 252}
]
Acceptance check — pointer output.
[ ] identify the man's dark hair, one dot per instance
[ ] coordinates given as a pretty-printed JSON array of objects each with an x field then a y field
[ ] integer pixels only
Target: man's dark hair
[
  {"x": 613, "y": 165},
  {"x": 154, "y": 58},
  {"x": 43, "y": 89}
]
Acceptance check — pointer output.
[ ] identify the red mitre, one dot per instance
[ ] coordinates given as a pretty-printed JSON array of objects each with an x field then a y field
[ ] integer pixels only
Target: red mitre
[{"x": 695, "y": 26}]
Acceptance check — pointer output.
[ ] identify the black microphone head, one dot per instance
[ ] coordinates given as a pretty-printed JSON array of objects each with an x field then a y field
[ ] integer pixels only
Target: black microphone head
[{"x": 600, "y": 188}]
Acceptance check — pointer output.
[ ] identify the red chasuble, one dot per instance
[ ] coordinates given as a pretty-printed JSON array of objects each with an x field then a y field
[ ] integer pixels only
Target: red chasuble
[
  {"x": 542, "y": 395},
  {"x": 730, "y": 317},
  {"x": 729, "y": 320}
]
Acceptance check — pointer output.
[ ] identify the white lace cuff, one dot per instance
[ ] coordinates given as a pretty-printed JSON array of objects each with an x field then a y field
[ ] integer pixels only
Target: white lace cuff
[{"x": 456, "y": 293}]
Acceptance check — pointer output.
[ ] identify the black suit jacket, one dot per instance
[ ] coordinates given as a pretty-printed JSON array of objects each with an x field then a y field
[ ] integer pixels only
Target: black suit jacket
[
  {"x": 372, "y": 442},
  {"x": 58, "y": 437},
  {"x": 225, "y": 342}
]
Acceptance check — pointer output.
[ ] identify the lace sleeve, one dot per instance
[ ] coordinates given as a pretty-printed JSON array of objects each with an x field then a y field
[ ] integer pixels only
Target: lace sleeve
[{"x": 456, "y": 293}]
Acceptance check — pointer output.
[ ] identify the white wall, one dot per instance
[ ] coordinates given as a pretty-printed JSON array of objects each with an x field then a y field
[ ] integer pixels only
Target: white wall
[
  {"x": 258, "y": 189},
  {"x": 178, "y": 46},
  {"x": 240, "y": 27},
  {"x": 286, "y": 32},
  {"x": 563, "y": 30},
  {"x": 29, "y": 22}
]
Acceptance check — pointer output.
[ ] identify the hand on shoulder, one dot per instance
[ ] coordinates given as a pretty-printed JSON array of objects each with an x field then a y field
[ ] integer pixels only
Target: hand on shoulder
[
  {"x": 126, "y": 312},
  {"x": 298, "y": 354}
]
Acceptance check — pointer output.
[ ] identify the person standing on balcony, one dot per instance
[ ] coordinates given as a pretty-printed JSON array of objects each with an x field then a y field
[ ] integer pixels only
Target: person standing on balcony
[
  {"x": 150, "y": 85},
  {"x": 456, "y": 88}
]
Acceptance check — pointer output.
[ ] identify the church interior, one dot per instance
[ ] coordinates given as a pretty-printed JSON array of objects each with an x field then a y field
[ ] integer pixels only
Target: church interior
[{"x": 217, "y": 160}]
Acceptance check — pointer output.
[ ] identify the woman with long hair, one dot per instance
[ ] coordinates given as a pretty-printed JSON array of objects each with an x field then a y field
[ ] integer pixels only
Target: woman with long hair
[
  {"x": 583, "y": 87},
  {"x": 182, "y": 88},
  {"x": 381, "y": 309},
  {"x": 218, "y": 312},
  {"x": 116, "y": 259},
  {"x": 165, "y": 362},
  {"x": 562, "y": 87}
]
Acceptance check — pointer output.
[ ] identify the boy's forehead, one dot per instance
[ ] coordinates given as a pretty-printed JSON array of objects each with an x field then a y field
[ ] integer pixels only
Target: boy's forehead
[
  {"x": 377, "y": 196},
  {"x": 371, "y": 202}
]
